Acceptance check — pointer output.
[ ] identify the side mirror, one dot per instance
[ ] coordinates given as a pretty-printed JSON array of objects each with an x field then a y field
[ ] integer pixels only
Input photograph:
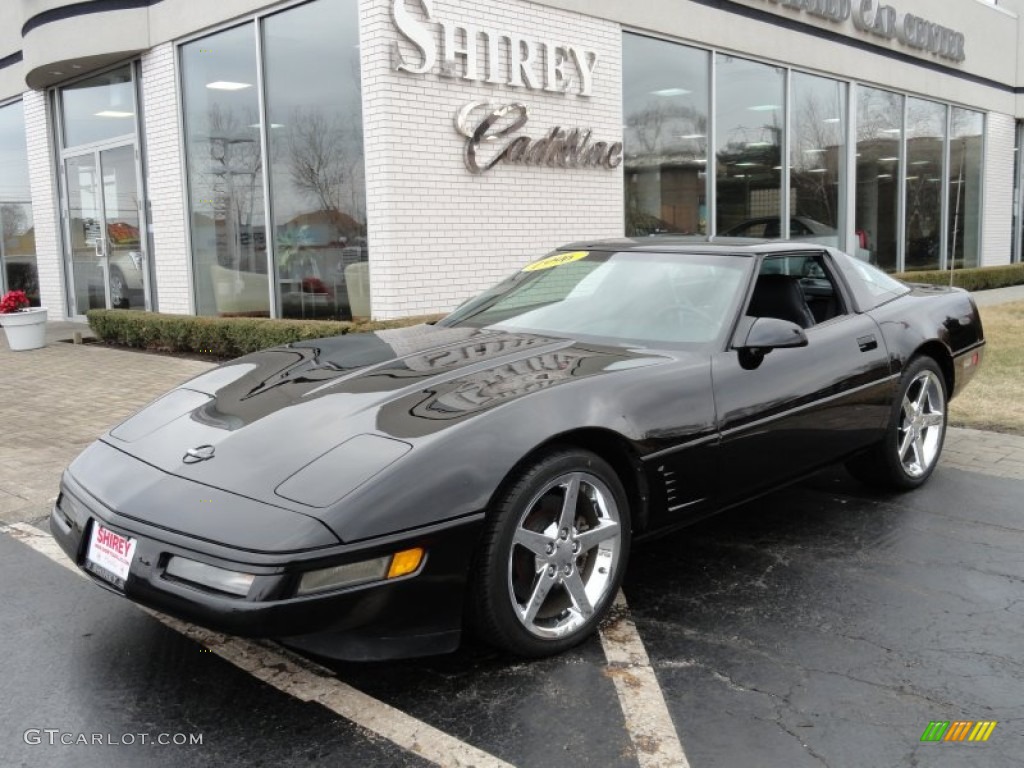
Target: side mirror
[{"x": 768, "y": 333}]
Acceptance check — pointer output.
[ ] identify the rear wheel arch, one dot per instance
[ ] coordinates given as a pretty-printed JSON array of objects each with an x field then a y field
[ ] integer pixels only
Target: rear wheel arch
[{"x": 938, "y": 352}]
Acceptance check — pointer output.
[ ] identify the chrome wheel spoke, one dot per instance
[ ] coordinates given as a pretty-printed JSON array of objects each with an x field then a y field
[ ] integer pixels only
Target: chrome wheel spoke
[
  {"x": 908, "y": 411},
  {"x": 537, "y": 543},
  {"x": 922, "y": 396},
  {"x": 934, "y": 419},
  {"x": 572, "y": 492},
  {"x": 908, "y": 440},
  {"x": 919, "y": 452},
  {"x": 578, "y": 593},
  {"x": 537, "y": 597},
  {"x": 590, "y": 539}
]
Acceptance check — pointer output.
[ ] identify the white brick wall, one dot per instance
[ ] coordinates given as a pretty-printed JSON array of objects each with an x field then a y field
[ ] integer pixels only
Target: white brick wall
[
  {"x": 44, "y": 205},
  {"x": 164, "y": 168},
  {"x": 438, "y": 233},
  {"x": 997, "y": 203}
]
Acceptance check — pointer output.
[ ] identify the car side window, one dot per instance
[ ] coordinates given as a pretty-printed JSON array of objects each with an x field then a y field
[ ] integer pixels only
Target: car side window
[{"x": 797, "y": 287}]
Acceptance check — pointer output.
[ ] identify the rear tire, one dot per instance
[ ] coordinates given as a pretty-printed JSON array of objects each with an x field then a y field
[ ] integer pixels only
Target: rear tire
[
  {"x": 910, "y": 450},
  {"x": 554, "y": 553}
]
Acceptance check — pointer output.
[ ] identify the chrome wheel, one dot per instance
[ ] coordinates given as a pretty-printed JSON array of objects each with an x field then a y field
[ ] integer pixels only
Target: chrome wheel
[
  {"x": 905, "y": 457},
  {"x": 564, "y": 556},
  {"x": 922, "y": 420}
]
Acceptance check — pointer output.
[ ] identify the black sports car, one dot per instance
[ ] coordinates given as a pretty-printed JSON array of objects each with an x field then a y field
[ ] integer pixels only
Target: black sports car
[{"x": 369, "y": 496}]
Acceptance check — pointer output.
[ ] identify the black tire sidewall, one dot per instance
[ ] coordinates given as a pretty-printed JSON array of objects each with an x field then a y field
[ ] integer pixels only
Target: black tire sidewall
[{"x": 496, "y": 617}]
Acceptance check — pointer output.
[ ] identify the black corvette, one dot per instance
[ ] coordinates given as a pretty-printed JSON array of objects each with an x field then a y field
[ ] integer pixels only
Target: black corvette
[{"x": 369, "y": 496}]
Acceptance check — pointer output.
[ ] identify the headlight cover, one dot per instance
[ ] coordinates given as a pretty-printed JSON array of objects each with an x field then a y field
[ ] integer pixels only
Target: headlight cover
[
  {"x": 364, "y": 572},
  {"x": 210, "y": 576}
]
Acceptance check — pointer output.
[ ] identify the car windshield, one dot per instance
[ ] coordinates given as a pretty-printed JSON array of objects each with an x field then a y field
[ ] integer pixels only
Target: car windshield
[{"x": 635, "y": 297}]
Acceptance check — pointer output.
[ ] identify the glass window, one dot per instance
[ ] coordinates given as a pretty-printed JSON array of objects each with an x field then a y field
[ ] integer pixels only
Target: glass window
[
  {"x": 317, "y": 183},
  {"x": 99, "y": 108},
  {"x": 926, "y": 136},
  {"x": 817, "y": 158},
  {"x": 665, "y": 105},
  {"x": 628, "y": 297},
  {"x": 967, "y": 129},
  {"x": 748, "y": 135},
  {"x": 225, "y": 173},
  {"x": 879, "y": 129},
  {"x": 17, "y": 233}
]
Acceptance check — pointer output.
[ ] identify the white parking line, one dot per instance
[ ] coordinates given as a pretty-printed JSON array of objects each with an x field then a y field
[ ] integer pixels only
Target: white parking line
[
  {"x": 302, "y": 679},
  {"x": 643, "y": 703}
]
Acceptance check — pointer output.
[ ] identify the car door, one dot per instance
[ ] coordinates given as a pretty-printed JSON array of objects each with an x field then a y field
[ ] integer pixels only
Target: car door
[{"x": 801, "y": 408}]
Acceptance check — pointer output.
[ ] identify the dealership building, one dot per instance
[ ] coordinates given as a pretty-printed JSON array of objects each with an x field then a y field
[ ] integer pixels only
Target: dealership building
[{"x": 337, "y": 158}]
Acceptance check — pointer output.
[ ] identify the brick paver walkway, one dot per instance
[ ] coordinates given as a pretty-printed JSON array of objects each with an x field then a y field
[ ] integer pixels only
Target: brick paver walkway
[{"x": 55, "y": 401}]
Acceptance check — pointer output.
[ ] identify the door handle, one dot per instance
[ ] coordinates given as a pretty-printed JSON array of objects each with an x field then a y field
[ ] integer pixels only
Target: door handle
[{"x": 867, "y": 343}]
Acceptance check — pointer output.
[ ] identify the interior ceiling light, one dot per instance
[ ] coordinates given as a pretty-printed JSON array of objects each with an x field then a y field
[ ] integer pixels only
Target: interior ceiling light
[
  {"x": 921, "y": 162},
  {"x": 892, "y": 130},
  {"x": 745, "y": 165},
  {"x": 818, "y": 170},
  {"x": 763, "y": 107},
  {"x": 227, "y": 85},
  {"x": 888, "y": 159},
  {"x": 693, "y": 136},
  {"x": 759, "y": 144},
  {"x": 831, "y": 120},
  {"x": 114, "y": 113},
  {"x": 813, "y": 151},
  {"x": 670, "y": 92}
]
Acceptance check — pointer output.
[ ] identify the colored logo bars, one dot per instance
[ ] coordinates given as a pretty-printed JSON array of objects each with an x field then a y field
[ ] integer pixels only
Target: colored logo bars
[{"x": 959, "y": 730}]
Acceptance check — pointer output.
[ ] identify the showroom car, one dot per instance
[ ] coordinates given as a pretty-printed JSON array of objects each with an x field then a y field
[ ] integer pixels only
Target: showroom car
[{"x": 377, "y": 495}]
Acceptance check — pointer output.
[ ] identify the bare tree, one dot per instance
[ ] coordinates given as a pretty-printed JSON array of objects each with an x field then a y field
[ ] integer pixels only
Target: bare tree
[{"x": 324, "y": 157}]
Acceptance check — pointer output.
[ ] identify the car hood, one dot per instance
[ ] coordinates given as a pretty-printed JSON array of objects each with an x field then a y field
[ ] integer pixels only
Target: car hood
[{"x": 251, "y": 425}]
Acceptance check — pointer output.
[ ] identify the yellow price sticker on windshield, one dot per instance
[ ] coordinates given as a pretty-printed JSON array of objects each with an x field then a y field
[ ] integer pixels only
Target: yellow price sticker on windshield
[{"x": 557, "y": 260}]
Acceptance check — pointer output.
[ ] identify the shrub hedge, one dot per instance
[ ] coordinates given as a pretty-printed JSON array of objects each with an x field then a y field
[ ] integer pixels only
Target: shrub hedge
[
  {"x": 973, "y": 279},
  {"x": 223, "y": 337}
]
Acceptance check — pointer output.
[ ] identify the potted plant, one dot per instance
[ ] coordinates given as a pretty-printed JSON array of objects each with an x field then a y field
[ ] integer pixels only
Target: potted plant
[{"x": 24, "y": 325}]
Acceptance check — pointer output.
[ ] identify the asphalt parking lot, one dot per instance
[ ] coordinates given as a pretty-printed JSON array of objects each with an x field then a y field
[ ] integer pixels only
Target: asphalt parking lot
[{"x": 824, "y": 625}]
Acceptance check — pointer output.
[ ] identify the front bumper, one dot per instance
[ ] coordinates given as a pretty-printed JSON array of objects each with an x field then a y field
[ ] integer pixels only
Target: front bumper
[{"x": 413, "y": 615}]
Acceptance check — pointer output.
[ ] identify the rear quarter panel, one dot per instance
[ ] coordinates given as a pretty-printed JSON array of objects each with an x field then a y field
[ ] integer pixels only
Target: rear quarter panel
[{"x": 933, "y": 317}]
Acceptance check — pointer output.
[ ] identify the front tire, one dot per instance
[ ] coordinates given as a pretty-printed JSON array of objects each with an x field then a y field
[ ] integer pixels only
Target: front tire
[
  {"x": 554, "y": 554},
  {"x": 910, "y": 451}
]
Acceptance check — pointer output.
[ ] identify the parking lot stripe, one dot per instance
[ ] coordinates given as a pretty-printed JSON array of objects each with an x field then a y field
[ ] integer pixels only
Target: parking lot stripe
[
  {"x": 643, "y": 703},
  {"x": 298, "y": 677}
]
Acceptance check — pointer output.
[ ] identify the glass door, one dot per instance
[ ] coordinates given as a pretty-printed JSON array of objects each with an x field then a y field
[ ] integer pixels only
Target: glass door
[
  {"x": 88, "y": 276},
  {"x": 122, "y": 246},
  {"x": 108, "y": 264}
]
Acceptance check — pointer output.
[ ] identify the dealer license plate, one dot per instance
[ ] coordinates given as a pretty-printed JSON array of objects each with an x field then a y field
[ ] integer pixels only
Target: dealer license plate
[{"x": 109, "y": 555}]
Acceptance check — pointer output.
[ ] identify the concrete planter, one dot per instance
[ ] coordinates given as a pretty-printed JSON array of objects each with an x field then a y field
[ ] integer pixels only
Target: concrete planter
[{"x": 25, "y": 329}]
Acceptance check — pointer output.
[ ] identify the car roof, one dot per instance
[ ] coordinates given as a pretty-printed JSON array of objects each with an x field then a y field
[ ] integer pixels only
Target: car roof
[{"x": 734, "y": 246}]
